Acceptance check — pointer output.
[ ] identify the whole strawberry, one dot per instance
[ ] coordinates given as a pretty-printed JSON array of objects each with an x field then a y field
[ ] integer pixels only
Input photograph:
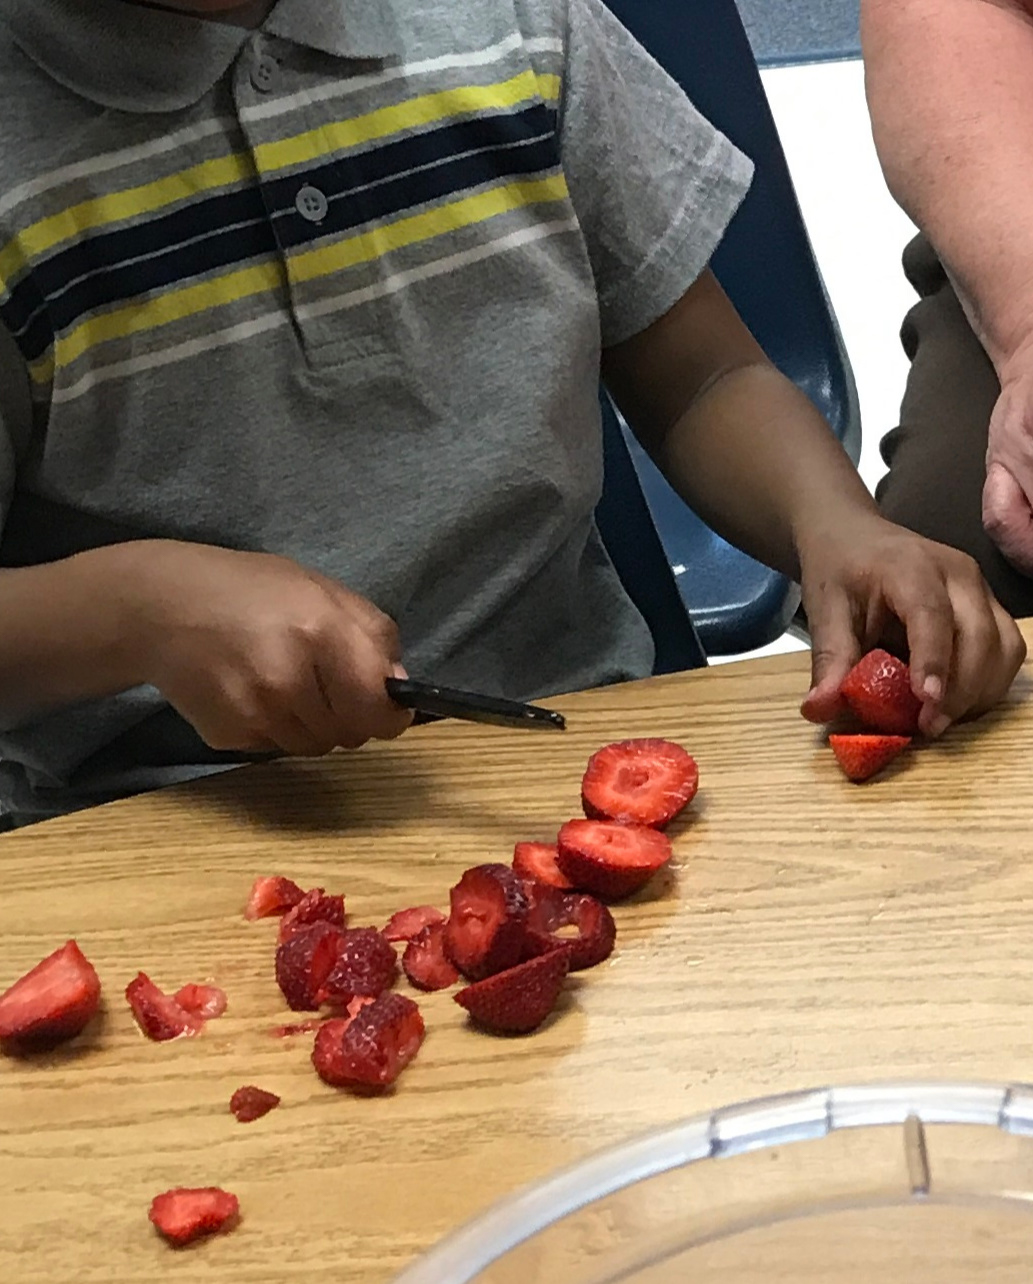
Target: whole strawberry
[{"x": 878, "y": 692}]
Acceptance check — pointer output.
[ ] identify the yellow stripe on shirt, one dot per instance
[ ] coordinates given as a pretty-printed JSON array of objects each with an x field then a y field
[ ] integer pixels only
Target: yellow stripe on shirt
[{"x": 176, "y": 305}]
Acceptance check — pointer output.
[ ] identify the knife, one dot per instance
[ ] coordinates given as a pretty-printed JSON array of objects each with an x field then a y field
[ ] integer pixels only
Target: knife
[{"x": 444, "y": 702}]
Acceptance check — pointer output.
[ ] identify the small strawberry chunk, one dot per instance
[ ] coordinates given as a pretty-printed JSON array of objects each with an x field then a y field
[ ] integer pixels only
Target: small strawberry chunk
[
  {"x": 366, "y": 965},
  {"x": 184, "y": 1214},
  {"x": 371, "y": 1049},
  {"x": 158, "y": 1014},
  {"x": 518, "y": 1000},
  {"x": 270, "y": 896},
  {"x": 314, "y": 907},
  {"x": 250, "y": 1103},
  {"x": 639, "y": 782},
  {"x": 426, "y": 964},
  {"x": 538, "y": 860},
  {"x": 551, "y": 913},
  {"x": 878, "y": 691},
  {"x": 52, "y": 1002},
  {"x": 206, "y": 1001},
  {"x": 608, "y": 859},
  {"x": 404, "y": 925},
  {"x": 862, "y": 757},
  {"x": 485, "y": 931},
  {"x": 304, "y": 961}
]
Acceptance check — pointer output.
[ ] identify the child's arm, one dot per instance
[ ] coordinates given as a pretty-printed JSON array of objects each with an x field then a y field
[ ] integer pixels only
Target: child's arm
[
  {"x": 254, "y": 651},
  {"x": 756, "y": 460}
]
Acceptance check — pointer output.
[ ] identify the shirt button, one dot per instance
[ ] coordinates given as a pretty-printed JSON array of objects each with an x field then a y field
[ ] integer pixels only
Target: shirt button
[
  {"x": 263, "y": 74},
  {"x": 311, "y": 204}
]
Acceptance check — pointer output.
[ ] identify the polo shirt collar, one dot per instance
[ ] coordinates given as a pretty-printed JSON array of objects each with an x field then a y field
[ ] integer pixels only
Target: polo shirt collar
[{"x": 139, "y": 59}]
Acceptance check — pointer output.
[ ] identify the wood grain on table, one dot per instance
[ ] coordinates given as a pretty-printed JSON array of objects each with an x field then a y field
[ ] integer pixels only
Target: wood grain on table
[{"x": 811, "y": 931}]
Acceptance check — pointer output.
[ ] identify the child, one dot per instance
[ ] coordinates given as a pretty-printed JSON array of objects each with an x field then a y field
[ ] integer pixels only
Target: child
[{"x": 304, "y": 307}]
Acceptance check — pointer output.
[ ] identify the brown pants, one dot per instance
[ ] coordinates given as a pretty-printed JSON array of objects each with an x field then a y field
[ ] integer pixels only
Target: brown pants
[{"x": 937, "y": 457}]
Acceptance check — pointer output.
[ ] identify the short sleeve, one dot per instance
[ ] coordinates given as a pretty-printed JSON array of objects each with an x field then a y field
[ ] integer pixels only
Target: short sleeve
[{"x": 653, "y": 183}]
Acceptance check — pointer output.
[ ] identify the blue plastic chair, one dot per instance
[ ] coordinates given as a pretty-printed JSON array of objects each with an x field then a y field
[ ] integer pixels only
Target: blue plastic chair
[{"x": 766, "y": 265}]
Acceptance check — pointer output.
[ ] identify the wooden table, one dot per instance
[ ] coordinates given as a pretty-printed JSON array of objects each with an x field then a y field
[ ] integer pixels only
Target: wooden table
[{"x": 812, "y": 931}]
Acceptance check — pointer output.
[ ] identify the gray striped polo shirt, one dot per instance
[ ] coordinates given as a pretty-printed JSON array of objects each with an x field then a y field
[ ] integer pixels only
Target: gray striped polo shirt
[{"x": 335, "y": 288}]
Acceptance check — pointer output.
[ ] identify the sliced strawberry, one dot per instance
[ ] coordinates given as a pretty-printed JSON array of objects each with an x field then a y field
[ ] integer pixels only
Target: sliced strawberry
[
  {"x": 366, "y": 965},
  {"x": 407, "y": 923},
  {"x": 550, "y": 914},
  {"x": 52, "y": 1002},
  {"x": 206, "y": 1001},
  {"x": 518, "y": 1000},
  {"x": 314, "y": 907},
  {"x": 370, "y": 1050},
  {"x": 609, "y": 859},
  {"x": 639, "y": 782},
  {"x": 538, "y": 860},
  {"x": 183, "y": 1214},
  {"x": 485, "y": 931},
  {"x": 250, "y": 1103},
  {"x": 878, "y": 691},
  {"x": 425, "y": 962},
  {"x": 304, "y": 961},
  {"x": 270, "y": 896},
  {"x": 158, "y": 1014},
  {"x": 861, "y": 757},
  {"x": 297, "y": 1027}
]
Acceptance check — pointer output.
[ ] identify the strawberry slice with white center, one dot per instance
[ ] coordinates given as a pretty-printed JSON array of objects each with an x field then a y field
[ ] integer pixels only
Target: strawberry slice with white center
[
  {"x": 538, "y": 861},
  {"x": 608, "y": 859},
  {"x": 639, "y": 782}
]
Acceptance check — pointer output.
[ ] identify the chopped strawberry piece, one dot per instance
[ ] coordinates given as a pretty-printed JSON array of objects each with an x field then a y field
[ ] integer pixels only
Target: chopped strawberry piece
[
  {"x": 370, "y": 1050},
  {"x": 359, "y": 1002},
  {"x": 52, "y": 1002},
  {"x": 485, "y": 932},
  {"x": 314, "y": 907},
  {"x": 538, "y": 860},
  {"x": 273, "y": 895},
  {"x": 425, "y": 962},
  {"x": 609, "y": 859},
  {"x": 158, "y": 1014},
  {"x": 366, "y": 965},
  {"x": 183, "y": 1215},
  {"x": 639, "y": 782},
  {"x": 304, "y": 961},
  {"x": 551, "y": 913},
  {"x": 404, "y": 925},
  {"x": 250, "y": 1103},
  {"x": 297, "y": 1027},
  {"x": 862, "y": 757},
  {"x": 206, "y": 1001},
  {"x": 518, "y": 1000},
  {"x": 878, "y": 691}
]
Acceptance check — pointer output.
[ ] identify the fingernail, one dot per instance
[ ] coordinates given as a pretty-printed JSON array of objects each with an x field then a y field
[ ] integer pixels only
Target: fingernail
[
  {"x": 939, "y": 725},
  {"x": 399, "y": 672},
  {"x": 932, "y": 688}
]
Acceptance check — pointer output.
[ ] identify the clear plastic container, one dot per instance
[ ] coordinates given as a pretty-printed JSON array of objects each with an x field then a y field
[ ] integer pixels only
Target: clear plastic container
[{"x": 881, "y": 1184}]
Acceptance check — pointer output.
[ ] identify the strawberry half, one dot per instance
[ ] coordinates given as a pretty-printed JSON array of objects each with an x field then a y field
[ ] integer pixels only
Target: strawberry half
[
  {"x": 366, "y": 965},
  {"x": 862, "y": 757},
  {"x": 250, "y": 1103},
  {"x": 184, "y": 1214},
  {"x": 270, "y": 896},
  {"x": 425, "y": 962},
  {"x": 314, "y": 907},
  {"x": 206, "y": 1001},
  {"x": 878, "y": 692},
  {"x": 408, "y": 923},
  {"x": 538, "y": 860},
  {"x": 518, "y": 1000},
  {"x": 304, "y": 961},
  {"x": 608, "y": 859},
  {"x": 485, "y": 931},
  {"x": 158, "y": 1014},
  {"x": 52, "y": 1002},
  {"x": 371, "y": 1049},
  {"x": 552, "y": 912},
  {"x": 639, "y": 782}
]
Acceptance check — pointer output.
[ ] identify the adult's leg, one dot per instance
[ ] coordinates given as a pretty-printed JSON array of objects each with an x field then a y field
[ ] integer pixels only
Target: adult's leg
[{"x": 937, "y": 456}]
